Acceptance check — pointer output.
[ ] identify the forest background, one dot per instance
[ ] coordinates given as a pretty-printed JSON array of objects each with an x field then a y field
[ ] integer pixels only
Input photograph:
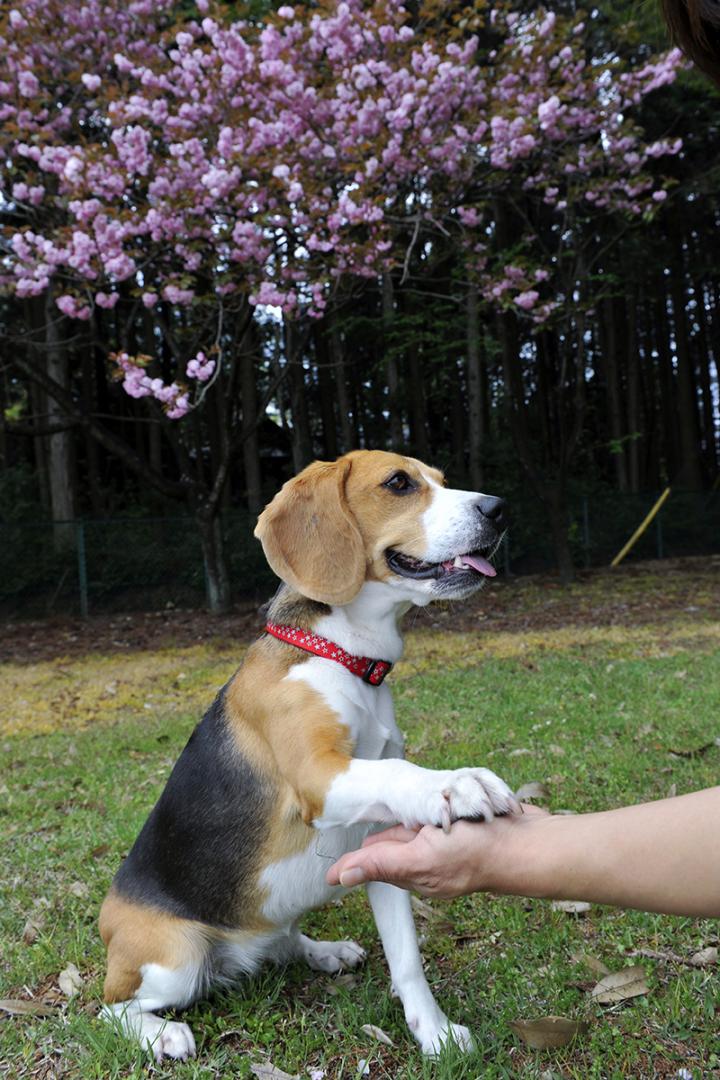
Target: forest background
[{"x": 239, "y": 237}]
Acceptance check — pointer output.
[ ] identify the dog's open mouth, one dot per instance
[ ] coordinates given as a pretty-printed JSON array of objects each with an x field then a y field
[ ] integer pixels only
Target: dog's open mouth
[{"x": 474, "y": 562}]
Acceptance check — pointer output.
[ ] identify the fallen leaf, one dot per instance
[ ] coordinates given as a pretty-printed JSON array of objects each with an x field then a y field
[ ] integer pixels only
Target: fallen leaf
[
  {"x": 377, "y": 1033},
  {"x": 20, "y": 1007},
  {"x": 426, "y": 912},
  {"x": 571, "y": 907},
  {"x": 549, "y": 1031},
  {"x": 620, "y": 986},
  {"x": 70, "y": 981},
  {"x": 79, "y": 889},
  {"x": 32, "y": 928},
  {"x": 347, "y": 981},
  {"x": 267, "y": 1071},
  {"x": 558, "y": 751},
  {"x": 99, "y": 851},
  {"x": 363, "y": 1068},
  {"x": 520, "y": 752},
  {"x": 705, "y": 957},
  {"x": 591, "y": 962},
  {"x": 532, "y": 790}
]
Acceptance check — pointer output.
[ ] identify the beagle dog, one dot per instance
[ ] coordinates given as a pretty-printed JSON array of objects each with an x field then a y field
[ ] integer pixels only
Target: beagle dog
[{"x": 300, "y": 756}]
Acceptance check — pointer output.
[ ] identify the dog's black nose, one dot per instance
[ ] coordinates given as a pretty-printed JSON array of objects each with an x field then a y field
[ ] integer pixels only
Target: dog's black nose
[{"x": 494, "y": 509}]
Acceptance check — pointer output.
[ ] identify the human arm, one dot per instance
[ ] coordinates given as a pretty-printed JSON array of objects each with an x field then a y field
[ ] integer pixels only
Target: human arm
[{"x": 661, "y": 856}]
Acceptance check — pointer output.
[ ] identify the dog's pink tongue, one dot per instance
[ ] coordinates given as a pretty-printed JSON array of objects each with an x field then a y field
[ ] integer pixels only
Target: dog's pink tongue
[{"x": 478, "y": 563}]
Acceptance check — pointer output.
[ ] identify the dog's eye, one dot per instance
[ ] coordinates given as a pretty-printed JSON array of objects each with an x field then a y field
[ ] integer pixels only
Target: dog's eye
[{"x": 399, "y": 483}]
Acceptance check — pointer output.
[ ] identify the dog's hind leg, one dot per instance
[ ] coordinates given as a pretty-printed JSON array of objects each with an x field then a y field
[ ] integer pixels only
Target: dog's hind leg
[
  {"x": 155, "y": 961},
  {"x": 425, "y": 1018}
]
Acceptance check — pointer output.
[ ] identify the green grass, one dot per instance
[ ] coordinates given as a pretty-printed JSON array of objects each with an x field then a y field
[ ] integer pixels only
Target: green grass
[{"x": 600, "y": 722}]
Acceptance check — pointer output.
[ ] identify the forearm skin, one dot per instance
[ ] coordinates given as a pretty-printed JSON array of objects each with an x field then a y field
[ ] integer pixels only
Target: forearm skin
[{"x": 662, "y": 856}]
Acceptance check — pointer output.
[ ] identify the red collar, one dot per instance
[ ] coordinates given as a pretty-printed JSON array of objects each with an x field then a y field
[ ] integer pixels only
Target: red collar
[{"x": 369, "y": 670}]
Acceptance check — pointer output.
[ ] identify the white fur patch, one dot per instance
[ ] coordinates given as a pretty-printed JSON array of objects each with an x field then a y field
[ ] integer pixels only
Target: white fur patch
[
  {"x": 163, "y": 1038},
  {"x": 450, "y": 522},
  {"x": 296, "y": 884},
  {"x": 162, "y": 986}
]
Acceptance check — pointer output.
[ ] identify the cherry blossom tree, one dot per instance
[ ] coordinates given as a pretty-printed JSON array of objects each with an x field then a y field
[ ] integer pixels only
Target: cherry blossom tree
[{"x": 212, "y": 165}]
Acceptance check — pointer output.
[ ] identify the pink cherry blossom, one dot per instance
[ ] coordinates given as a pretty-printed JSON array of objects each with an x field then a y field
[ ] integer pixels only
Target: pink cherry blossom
[
  {"x": 527, "y": 300},
  {"x": 222, "y": 159}
]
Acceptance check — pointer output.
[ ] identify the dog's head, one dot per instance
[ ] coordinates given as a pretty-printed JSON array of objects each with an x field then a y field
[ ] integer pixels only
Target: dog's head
[{"x": 376, "y": 516}]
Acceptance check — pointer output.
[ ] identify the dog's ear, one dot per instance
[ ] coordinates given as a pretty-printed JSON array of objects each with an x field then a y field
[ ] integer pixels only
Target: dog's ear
[{"x": 309, "y": 535}]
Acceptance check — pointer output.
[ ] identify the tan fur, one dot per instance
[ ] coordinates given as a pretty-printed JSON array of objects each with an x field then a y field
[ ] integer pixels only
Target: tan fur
[
  {"x": 310, "y": 539},
  {"x": 289, "y": 732},
  {"x": 135, "y": 935},
  {"x": 327, "y": 529}
]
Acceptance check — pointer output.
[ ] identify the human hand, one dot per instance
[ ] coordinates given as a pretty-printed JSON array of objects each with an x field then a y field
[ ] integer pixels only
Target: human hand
[{"x": 432, "y": 862}]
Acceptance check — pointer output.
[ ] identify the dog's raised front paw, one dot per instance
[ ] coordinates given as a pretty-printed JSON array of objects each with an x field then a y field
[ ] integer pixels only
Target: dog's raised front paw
[{"x": 477, "y": 794}]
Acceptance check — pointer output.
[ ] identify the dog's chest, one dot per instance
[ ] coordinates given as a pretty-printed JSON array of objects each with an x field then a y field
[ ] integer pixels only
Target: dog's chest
[
  {"x": 295, "y": 884},
  {"x": 366, "y": 711}
]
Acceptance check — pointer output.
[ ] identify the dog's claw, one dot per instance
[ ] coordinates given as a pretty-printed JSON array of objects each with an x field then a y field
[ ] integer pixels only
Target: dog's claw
[
  {"x": 445, "y": 817},
  {"x": 515, "y": 805}
]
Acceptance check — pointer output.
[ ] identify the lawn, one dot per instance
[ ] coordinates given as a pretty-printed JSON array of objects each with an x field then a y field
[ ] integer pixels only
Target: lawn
[{"x": 608, "y": 692}]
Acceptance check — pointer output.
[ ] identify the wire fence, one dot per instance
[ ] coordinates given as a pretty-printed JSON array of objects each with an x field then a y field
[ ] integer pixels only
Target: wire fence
[{"x": 150, "y": 563}]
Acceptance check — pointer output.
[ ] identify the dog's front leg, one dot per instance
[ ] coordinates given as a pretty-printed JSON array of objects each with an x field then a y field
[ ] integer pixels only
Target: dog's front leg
[
  {"x": 393, "y": 790},
  {"x": 425, "y": 1018}
]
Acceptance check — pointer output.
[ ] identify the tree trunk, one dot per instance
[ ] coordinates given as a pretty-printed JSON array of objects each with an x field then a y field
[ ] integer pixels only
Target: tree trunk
[
  {"x": 251, "y": 442},
  {"x": 690, "y": 471},
  {"x": 634, "y": 424},
  {"x": 614, "y": 393},
  {"x": 704, "y": 360},
  {"x": 38, "y": 403},
  {"x": 326, "y": 393},
  {"x": 391, "y": 365},
  {"x": 555, "y": 499},
  {"x": 60, "y": 446},
  {"x": 458, "y": 470},
  {"x": 94, "y": 485},
  {"x": 217, "y": 579},
  {"x": 415, "y": 391},
  {"x": 416, "y": 398},
  {"x": 668, "y": 393},
  {"x": 302, "y": 446},
  {"x": 348, "y": 430},
  {"x": 476, "y": 387}
]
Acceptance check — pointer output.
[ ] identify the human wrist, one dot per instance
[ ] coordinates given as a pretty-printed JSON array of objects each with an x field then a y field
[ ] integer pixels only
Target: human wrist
[{"x": 524, "y": 857}]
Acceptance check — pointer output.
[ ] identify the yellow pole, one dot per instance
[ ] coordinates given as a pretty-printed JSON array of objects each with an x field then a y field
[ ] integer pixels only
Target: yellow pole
[{"x": 641, "y": 529}]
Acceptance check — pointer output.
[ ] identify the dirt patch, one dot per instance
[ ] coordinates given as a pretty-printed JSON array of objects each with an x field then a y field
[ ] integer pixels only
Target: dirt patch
[{"x": 634, "y": 595}]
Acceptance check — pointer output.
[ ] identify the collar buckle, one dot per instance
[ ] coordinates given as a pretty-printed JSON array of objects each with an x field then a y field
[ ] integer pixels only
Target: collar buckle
[{"x": 376, "y": 671}]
